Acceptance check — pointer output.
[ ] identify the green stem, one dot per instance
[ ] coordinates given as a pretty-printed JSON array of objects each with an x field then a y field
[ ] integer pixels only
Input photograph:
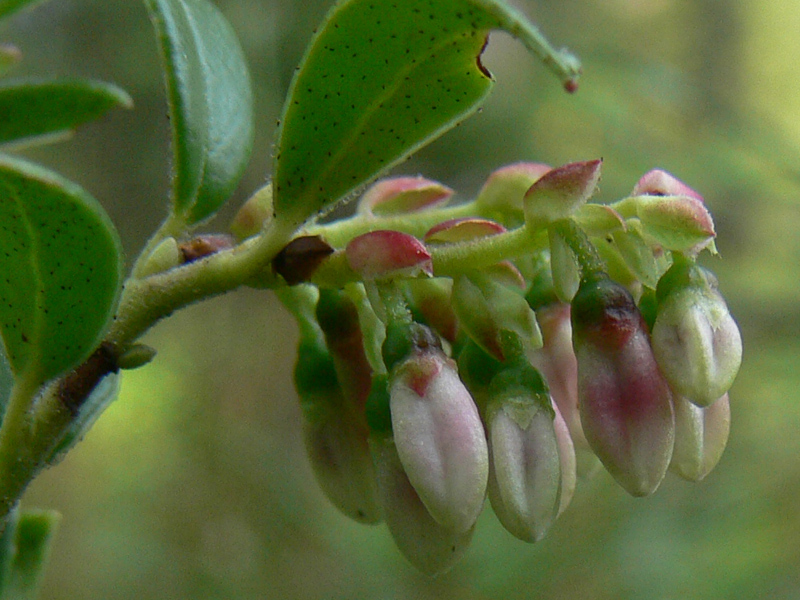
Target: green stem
[
  {"x": 31, "y": 430},
  {"x": 588, "y": 258},
  {"x": 339, "y": 233},
  {"x": 451, "y": 259},
  {"x": 17, "y": 457}
]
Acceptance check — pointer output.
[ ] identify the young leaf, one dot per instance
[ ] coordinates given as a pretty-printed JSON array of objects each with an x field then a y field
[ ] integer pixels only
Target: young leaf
[
  {"x": 37, "y": 108},
  {"x": 11, "y": 6},
  {"x": 60, "y": 266},
  {"x": 381, "y": 79},
  {"x": 210, "y": 103}
]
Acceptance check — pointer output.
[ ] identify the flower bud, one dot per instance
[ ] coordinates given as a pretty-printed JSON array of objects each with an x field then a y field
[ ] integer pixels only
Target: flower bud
[
  {"x": 661, "y": 183},
  {"x": 429, "y": 546},
  {"x": 701, "y": 435},
  {"x": 397, "y": 195},
  {"x": 625, "y": 403},
  {"x": 556, "y": 361},
  {"x": 505, "y": 188},
  {"x": 672, "y": 214},
  {"x": 696, "y": 341},
  {"x": 525, "y": 474},
  {"x": 384, "y": 253},
  {"x": 335, "y": 436},
  {"x": 253, "y": 215},
  {"x": 440, "y": 437},
  {"x": 462, "y": 230},
  {"x": 561, "y": 191}
]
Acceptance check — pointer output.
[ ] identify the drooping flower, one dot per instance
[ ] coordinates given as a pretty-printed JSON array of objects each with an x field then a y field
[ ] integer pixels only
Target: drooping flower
[
  {"x": 427, "y": 544},
  {"x": 335, "y": 436},
  {"x": 695, "y": 339},
  {"x": 525, "y": 478},
  {"x": 439, "y": 435},
  {"x": 625, "y": 402}
]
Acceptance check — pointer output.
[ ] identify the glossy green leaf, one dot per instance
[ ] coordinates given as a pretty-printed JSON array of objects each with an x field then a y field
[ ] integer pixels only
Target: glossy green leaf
[
  {"x": 210, "y": 103},
  {"x": 60, "y": 266},
  {"x": 381, "y": 79},
  {"x": 8, "y": 7},
  {"x": 24, "y": 552},
  {"x": 35, "y": 108}
]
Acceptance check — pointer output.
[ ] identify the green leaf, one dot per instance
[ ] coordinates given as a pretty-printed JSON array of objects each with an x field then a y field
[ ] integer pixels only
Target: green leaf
[
  {"x": 6, "y": 381},
  {"x": 8, "y": 7},
  {"x": 60, "y": 270},
  {"x": 210, "y": 103},
  {"x": 24, "y": 551},
  {"x": 36, "y": 108},
  {"x": 380, "y": 79}
]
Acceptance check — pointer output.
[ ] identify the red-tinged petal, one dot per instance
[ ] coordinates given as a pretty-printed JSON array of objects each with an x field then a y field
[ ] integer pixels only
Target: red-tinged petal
[
  {"x": 661, "y": 183},
  {"x": 561, "y": 191},
  {"x": 399, "y": 195},
  {"x": 462, "y": 230},
  {"x": 385, "y": 253}
]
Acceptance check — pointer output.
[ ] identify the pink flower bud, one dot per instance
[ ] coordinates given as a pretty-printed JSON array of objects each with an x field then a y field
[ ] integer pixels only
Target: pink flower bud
[
  {"x": 399, "y": 195},
  {"x": 429, "y": 546},
  {"x": 384, "y": 253},
  {"x": 661, "y": 183},
  {"x": 462, "y": 230},
  {"x": 561, "y": 191},
  {"x": 695, "y": 339},
  {"x": 701, "y": 435},
  {"x": 625, "y": 403},
  {"x": 440, "y": 437},
  {"x": 672, "y": 213}
]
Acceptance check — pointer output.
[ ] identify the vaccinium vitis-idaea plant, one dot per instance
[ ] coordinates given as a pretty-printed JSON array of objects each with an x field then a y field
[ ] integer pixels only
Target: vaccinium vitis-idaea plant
[{"x": 419, "y": 318}]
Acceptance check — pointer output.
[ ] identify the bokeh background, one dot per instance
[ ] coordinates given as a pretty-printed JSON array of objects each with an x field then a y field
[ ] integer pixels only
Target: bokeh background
[{"x": 194, "y": 484}]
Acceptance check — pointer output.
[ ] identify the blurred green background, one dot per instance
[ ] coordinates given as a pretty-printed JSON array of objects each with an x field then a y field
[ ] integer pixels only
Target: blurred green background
[{"x": 194, "y": 484}]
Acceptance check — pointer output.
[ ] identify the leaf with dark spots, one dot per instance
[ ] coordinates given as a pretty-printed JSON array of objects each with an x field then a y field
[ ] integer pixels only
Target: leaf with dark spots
[
  {"x": 62, "y": 265},
  {"x": 380, "y": 80}
]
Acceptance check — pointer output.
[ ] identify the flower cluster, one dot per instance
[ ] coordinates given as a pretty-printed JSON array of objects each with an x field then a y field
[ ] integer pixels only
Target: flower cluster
[{"x": 499, "y": 347}]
